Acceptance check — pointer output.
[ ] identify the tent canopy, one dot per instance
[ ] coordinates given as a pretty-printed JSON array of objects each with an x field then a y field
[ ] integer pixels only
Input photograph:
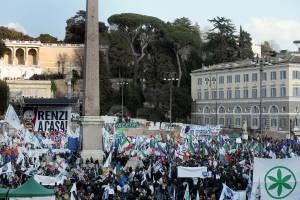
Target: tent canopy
[
  {"x": 3, "y": 192},
  {"x": 30, "y": 189}
]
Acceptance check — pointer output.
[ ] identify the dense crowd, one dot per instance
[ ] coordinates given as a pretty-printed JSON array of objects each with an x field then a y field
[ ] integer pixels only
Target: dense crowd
[{"x": 153, "y": 176}]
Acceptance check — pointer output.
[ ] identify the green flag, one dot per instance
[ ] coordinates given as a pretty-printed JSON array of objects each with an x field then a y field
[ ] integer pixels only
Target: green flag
[{"x": 187, "y": 193}]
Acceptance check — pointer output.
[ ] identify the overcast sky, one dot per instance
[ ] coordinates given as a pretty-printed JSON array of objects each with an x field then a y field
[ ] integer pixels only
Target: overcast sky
[{"x": 277, "y": 20}]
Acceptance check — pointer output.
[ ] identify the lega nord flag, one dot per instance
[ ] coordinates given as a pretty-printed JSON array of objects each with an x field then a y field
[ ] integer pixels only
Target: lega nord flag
[{"x": 278, "y": 178}]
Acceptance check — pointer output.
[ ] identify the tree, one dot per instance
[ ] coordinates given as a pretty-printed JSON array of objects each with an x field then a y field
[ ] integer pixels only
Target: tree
[
  {"x": 133, "y": 97},
  {"x": 75, "y": 29},
  {"x": 11, "y": 34},
  {"x": 139, "y": 31},
  {"x": 106, "y": 93},
  {"x": 266, "y": 48},
  {"x": 182, "y": 37},
  {"x": 2, "y": 48},
  {"x": 4, "y": 96},
  {"x": 245, "y": 45},
  {"x": 119, "y": 56},
  {"x": 221, "y": 45},
  {"x": 47, "y": 38},
  {"x": 53, "y": 88}
]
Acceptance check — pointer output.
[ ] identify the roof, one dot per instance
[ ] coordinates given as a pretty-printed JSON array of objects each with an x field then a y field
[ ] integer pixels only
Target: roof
[
  {"x": 291, "y": 58},
  {"x": 30, "y": 189},
  {"x": 50, "y": 101}
]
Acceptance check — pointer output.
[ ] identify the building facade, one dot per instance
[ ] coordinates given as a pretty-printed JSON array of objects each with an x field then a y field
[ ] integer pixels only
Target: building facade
[
  {"x": 22, "y": 59},
  {"x": 231, "y": 94}
]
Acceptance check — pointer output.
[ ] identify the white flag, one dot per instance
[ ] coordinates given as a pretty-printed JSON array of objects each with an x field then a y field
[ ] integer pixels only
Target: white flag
[
  {"x": 108, "y": 160},
  {"x": 197, "y": 197},
  {"x": 73, "y": 189},
  {"x": 278, "y": 178},
  {"x": 6, "y": 168},
  {"x": 12, "y": 118},
  {"x": 229, "y": 193}
]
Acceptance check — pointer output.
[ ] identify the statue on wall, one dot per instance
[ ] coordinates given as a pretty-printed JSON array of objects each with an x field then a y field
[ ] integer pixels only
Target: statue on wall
[{"x": 245, "y": 132}]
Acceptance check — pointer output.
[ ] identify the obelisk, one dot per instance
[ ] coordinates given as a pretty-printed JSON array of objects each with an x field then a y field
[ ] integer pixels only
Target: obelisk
[{"x": 91, "y": 126}]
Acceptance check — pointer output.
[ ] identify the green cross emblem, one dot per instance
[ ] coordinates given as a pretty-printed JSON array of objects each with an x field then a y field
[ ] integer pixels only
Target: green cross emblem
[{"x": 280, "y": 182}]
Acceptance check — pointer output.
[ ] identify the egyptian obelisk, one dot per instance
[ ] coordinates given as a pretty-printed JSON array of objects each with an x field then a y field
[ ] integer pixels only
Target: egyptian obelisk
[{"x": 91, "y": 126}]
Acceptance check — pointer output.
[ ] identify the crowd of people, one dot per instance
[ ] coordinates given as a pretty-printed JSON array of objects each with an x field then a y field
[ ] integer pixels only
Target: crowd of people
[{"x": 146, "y": 168}]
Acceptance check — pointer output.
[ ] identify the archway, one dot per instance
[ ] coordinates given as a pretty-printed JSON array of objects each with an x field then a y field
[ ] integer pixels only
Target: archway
[
  {"x": 32, "y": 57},
  {"x": 7, "y": 58},
  {"x": 20, "y": 56}
]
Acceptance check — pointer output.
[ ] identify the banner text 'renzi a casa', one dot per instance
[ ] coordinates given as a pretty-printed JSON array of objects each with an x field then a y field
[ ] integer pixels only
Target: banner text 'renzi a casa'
[{"x": 52, "y": 120}]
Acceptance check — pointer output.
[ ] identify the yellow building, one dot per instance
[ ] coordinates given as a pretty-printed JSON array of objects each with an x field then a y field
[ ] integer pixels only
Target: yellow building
[{"x": 22, "y": 59}]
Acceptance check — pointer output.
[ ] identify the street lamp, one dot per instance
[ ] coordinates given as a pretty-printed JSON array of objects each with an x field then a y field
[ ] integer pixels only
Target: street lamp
[
  {"x": 170, "y": 76},
  {"x": 212, "y": 81},
  {"x": 261, "y": 62},
  {"x": 122, "y": 84}
]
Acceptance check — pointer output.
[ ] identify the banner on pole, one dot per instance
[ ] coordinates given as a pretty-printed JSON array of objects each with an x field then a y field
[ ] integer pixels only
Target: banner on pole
[
  {"x": 192, "y": 172},
  {"x": 278, "y": 178},
  {"x": 48, "y": 119}
]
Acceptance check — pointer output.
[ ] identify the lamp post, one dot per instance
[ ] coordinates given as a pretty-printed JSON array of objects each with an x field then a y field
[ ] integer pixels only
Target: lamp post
[
  {"x": 122, "y": 84},
  {"x": 261, "y": 63},
  {"x": 170, "y": 77},
  {"x": 212, "y": 81}
]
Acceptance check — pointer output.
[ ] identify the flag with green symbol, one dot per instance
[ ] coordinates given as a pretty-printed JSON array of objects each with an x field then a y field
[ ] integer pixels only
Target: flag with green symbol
[{"x": 278, "y": 178}]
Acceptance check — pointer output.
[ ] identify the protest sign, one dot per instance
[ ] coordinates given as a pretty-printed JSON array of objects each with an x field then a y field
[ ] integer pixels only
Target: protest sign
[
  {"x": 48, "y": 119},
  {"x": 191, "y": 172}
]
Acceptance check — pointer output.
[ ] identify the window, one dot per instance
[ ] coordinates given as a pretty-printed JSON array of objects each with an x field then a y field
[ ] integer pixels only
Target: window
[
  {"x": 283, "y": 109},
  {"x": 273, "y": 109},
  {"x": 264, "y": 92},
  {"x": 255, "y": 122},
  {"x": 254, "y": 92},
  {"x": 222, "y": 121},
  {"x": 237, "y": 93},
  {"x": 238, "y": 109},
  {"x": 228, "y": 121},
  {"x": 229, "y": 94},
  {"x": 263, "y": 122},
  {"x": 296, "y": 91},
  {"x": 229, "y": 79},
  {"x": 264, "y": 76},
  {"x": 273, "y": 92},
  {"x": 282, "y": 123},
  {"x": 296, "y": 74},
  {"x": 246, "y": 78},
  {"x": 221, "y": 79},
  {"x": 254, "y": 77},
  {"x": 273, "y": 76},
  {"x": 199, "y": 94},
  {"x": 206, "y": 120},
  {"x": 245, "y": 92},
  {"x": 207, "y": 81},
  {"x": 274, "y": 122},
  {"x": 206, "y": 110},
  {"x": 238, "y": 121},
  {"x": 199, "y": 81},
  {"x": 282, "y": 75},
  {"x": 255, "y": 109},
  {"x": 214, "y": 94},
  {"x": 221, "y": 94},
  {"x": 206, "y": 94},
  {"x": 237, "y": 78},
  {"x": 221, "y": 109},
  {"x": 283, "y": 91}
]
